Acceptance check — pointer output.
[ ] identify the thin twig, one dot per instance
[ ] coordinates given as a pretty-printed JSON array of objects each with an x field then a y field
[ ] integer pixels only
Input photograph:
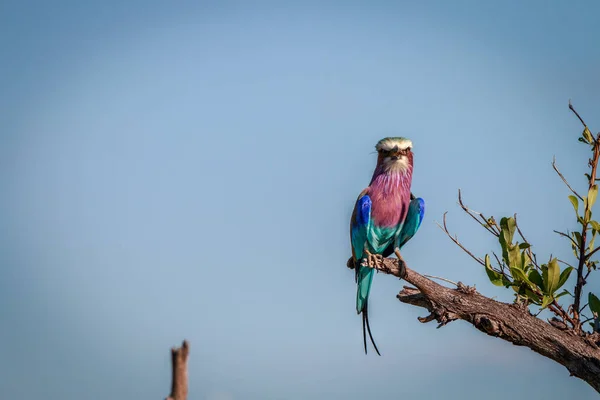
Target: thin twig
[
  {"x": 564, "y": 262},
  {"x": 500, "y": 263},
  {"x": 441, "y": 279},
  {"x": 587, "y": 320},
  {"x": 488, "y": 227},
  {"x": 558, "y": 310},
  {"x": 519, "y": 229},
  {"x": 568, "y": 237},
  {"x": 531, "y": 255},
  {"x": 564, "y": 179},
  {"x": 455, "y": 240},
  {"x": 576, "y": 113},
  {"x": 592, "y": 253}
]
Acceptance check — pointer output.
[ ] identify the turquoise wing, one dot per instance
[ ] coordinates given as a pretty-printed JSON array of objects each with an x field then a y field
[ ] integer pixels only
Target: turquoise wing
[
  {"x": 362, "y": 235},
  {"x": 414, "y": 217}
]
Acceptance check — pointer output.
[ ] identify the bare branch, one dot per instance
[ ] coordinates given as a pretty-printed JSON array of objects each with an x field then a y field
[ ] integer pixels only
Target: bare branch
[
  {"x": 500, "y": 263},
  {"x": 564, "y": 262},
  {"x": 576, "y": 113},
  {"x": 559, "y": 311},
  {"x": 455, "y": 240},
  {"x": 580, "y": 354},
  {"x": 488, "y": 227},
  {"x": 568, "y": 237},
  {"x": 532, "y": 256},
  {"x": 590, "y": 254},
  {"x": 441, "y": 279},
  {"x": 564, "y": 179},
  {"x": 179, "y": 383}
]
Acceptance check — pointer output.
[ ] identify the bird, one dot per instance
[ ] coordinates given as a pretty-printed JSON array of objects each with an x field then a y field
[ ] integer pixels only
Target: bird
[{"x": 386, "y": 216}]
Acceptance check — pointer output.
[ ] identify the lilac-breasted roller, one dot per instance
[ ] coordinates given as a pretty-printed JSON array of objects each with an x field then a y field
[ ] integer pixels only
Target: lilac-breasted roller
[{"x": 385, "y": 217}]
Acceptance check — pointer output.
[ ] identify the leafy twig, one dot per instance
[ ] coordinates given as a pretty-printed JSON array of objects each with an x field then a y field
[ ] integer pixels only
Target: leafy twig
[{"x": 593, "y": 163}]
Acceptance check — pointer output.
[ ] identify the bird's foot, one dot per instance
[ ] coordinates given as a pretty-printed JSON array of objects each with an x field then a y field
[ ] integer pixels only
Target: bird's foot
[
  {"x": 401, "y": 263},
  {"x": 374, "y": 260}
]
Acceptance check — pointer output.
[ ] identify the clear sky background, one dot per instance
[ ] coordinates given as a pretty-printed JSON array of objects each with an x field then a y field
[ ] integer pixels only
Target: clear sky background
[{"x": 176, "y": 170}]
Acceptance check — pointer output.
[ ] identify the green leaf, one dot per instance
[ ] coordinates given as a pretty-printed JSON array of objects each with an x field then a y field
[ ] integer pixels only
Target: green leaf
[
  {"x": 591, "y": 197},
  {"x": 588, "y": 215},
  {"x": 524, "y": 245},
  {"x": 504, "y": 246},
  {"x": 551, "y": 276},
  {"x": 591, "y": 243},
  {"x": 495, "y": 277},
  {"x": 587, "y": 135},
  {"x": 532, "y": 296},
  {"x": 546, "y": 301},
  {"x": 535, "y": 277},
  {"x": 525, "y": 261},
  {"x": 564, "y": 275},
  {"x": 519, "y": 276},
  {"x": 514, "y": 257},
  {"x": 595, "y": 225},
  {"x": 594, "y": 303},
  {"x": 508, "y": 227},
  {"x": 575, "y": 203},
  {"x": 577, "y": 237},
  {"x": 562, "y": 294}
]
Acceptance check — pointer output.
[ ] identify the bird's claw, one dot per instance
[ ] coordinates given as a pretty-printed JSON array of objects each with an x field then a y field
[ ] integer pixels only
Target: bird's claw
[
  {"x": 401, "y": 263},
  {"x": 374, "y": 261}
]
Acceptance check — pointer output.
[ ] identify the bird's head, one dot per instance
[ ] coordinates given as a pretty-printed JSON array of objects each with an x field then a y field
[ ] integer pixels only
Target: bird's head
[{"x": 394, "y": 154}]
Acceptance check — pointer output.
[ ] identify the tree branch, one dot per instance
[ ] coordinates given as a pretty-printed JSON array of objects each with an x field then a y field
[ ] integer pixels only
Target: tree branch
[
  {"x": 593, "y": 164},
  {"x": 455, "y": 240},
  {"x": 580, "y": 354},
  {"x": 179, "y": 383},
  {"x": 565, "y": 179}
]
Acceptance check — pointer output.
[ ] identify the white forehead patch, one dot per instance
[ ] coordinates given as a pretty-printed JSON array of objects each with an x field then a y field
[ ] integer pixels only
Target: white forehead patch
[{"x": 389, "y": 143}]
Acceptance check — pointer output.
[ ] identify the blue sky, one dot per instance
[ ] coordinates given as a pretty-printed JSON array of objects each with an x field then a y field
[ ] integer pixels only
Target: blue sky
[{"x": 188, "y": 170}]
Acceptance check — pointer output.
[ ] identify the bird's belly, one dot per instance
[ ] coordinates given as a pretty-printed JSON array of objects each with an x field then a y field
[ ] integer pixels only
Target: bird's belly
[
  {"x": 389, "y": 214},
  {"x": 380, "y": 238},
  {"x": 387, "y": 217}
]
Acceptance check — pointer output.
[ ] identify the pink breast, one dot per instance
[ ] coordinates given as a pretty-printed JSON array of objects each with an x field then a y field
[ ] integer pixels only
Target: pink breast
[{"x": 390, "y": 196}]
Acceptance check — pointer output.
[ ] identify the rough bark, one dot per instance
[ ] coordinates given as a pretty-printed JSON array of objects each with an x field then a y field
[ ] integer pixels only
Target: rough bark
[
  {"x": 580, "y": 354},
  {"x": 179, "y": 383}
]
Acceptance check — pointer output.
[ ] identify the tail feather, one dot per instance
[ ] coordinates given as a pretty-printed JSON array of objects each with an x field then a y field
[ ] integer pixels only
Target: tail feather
[
  {"x": 364, "y": 278},
  {"x": 366, "y": 322}
]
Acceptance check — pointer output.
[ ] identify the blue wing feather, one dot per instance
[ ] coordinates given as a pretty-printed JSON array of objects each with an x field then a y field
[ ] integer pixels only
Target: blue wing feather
[
  {"x": 361, "y": 219},
  {"x": 414, "y": 217},
  {"x": 359, "y": 231}
]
